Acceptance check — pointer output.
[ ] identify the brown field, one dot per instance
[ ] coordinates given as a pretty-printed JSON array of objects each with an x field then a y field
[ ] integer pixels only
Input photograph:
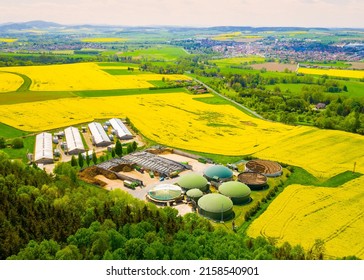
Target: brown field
[
  {"x": 357, "y": 65},
  {"x": 275, "y": 66}
]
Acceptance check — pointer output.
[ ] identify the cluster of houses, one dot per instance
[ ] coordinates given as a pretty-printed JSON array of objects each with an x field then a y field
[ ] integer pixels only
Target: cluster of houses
[{"x": 73, "y": 144}]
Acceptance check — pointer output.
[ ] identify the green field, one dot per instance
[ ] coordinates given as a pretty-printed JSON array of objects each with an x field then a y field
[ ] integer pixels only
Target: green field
[
  {"x": 157, "y": 53},
  {"x": 238, "y": 60},
  {"x": 355, "y": 88},
  {"x": 123, "y": 71},
  {"x": 9, "y": 132}
]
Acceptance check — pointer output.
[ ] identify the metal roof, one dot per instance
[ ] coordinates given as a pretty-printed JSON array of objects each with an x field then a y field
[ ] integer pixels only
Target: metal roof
[
  {"x": 121, "y": 129},
  {"x": 98, "y": 133},
  {"x": 43, "y": 147},
  {"x": 74, "y": 140}
]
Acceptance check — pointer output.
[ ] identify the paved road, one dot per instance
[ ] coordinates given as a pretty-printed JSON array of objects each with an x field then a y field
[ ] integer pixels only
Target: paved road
[{"x": 255, "y": 114}]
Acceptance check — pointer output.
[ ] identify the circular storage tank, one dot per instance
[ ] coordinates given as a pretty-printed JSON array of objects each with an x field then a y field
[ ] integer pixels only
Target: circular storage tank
[
  {"x": 218, "y": 173},
  {"x": 194, "y": 194},
  {"x": 165, "y": 193},
  {"x": 216, "y": 207},
  {"x": 255, "y": 181},
  {"x": 238, "y": 192},
  {"x": 265, "y": 167},
  {"x": 193, "y": 181}
]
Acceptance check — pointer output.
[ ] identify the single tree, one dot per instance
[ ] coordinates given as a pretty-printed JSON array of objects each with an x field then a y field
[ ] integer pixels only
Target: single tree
[
  {"x": 2, "y": 143},
  {"x": 129, "y": 148},
  {"x": 118, "y": 148},
  {"x": 73, "y": 161},
  {"x": 80, "y": 160},
  {"x": 113, "y": 153},
  {"x": 134, "y": 146},
  {"x": 88, "y": 160},
  {"x": 17, "y": 143},
  {"x": 94, "y": 157}
]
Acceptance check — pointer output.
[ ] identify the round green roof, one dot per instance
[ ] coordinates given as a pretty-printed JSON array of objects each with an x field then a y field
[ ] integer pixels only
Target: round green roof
[
  {"x": 194, "y": 193},
  {"x": 218, "y": 171},
  {"x": 215, "y": 203},
  {"x": 192, "y": 181},
  {"x": 234, "y": 189}
]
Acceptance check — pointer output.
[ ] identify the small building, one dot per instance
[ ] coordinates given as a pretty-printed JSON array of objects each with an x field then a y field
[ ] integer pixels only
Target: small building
[
  {"x": 121, "y": 131},
  {"x": 43, "y": 153},
  {"x": 74, "y": 141},
  {"x": 320, "y": 106},
  {"x": 99, "y": 136},
  {"x": 216, "y": 207}
]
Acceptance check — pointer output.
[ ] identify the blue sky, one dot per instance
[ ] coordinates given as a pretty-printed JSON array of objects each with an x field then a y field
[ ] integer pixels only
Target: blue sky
[{"x": 306, "y": 13}]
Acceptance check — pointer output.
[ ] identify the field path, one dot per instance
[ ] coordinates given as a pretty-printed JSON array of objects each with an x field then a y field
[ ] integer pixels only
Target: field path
[
  {"x": 245, "y": 109},
  {"x": 25, "y": 85}
]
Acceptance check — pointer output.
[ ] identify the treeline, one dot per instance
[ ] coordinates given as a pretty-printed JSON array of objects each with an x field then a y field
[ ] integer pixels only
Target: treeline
[{"x": 58, "y": 217}]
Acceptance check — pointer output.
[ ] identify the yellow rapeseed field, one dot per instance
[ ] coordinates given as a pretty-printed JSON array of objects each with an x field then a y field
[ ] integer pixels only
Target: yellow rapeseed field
[
  {"x": 180, "y": 120},
  {"x": 9, "y": 82},
  {"x": 302, "y": 214},
  {"x": 83, "y": 76},
  {"x": 333, "y": 72},
  {"x": 8, "y": 40},
  {"x": 103, "y": 40}
]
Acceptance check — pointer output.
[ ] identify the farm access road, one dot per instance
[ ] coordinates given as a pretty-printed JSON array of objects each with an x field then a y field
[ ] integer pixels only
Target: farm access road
[{"x": 247, "y": 110}]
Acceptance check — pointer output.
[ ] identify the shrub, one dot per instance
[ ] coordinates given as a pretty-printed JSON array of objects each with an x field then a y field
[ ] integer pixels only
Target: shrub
[{"x": 17, "y": 143}]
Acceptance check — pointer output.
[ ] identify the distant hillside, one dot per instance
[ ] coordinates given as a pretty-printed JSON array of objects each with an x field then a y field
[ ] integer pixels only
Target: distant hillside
[
  {"x": 44, "y": 25},
  {"x": 37, "y": 24}
]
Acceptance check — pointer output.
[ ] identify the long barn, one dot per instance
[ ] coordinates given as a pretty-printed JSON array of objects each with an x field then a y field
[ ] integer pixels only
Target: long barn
[
  {"x": 43, "y": 148},
  {"x": 99, "y": 136},
  {"x": 122, "y": 131},
  {"x": 74, "y": 141}
]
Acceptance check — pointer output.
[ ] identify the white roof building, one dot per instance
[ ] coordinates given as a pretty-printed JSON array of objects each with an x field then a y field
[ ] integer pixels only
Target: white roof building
[
  {"x": 74, "y": 141},
  {"x": 99, "y": 136},
  {"x": 43, "y": 148},
  {"x": 121, "y": 130}
]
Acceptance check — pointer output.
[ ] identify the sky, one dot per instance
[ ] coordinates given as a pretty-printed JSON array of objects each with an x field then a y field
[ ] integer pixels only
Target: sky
[{"x": 303, "y": 13}]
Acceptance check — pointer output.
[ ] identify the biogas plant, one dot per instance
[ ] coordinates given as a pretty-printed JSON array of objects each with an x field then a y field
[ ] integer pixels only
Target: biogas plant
[{"x": 187, "y": 182}]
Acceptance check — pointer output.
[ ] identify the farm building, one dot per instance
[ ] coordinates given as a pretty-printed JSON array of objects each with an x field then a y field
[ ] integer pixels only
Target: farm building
[
  {"x": 74, "y": 141},
  {"x": 238, "y": 192},
  {"x": 266, "y": 167},
  {"x": 99, "y": 136},
  {"x": 43, "y": 148},
  {"x": 218, "y": 173},
  {"x": 255, "y": 181},
  {"x": 163, "y": 166},
  {"x": 193, "y": 181},
  {"x": 194, "y": 194},
  {"x": 165, "y": 193},
  {"x": 216, "y": 207},
  {"x": 121, "y": 130}
]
